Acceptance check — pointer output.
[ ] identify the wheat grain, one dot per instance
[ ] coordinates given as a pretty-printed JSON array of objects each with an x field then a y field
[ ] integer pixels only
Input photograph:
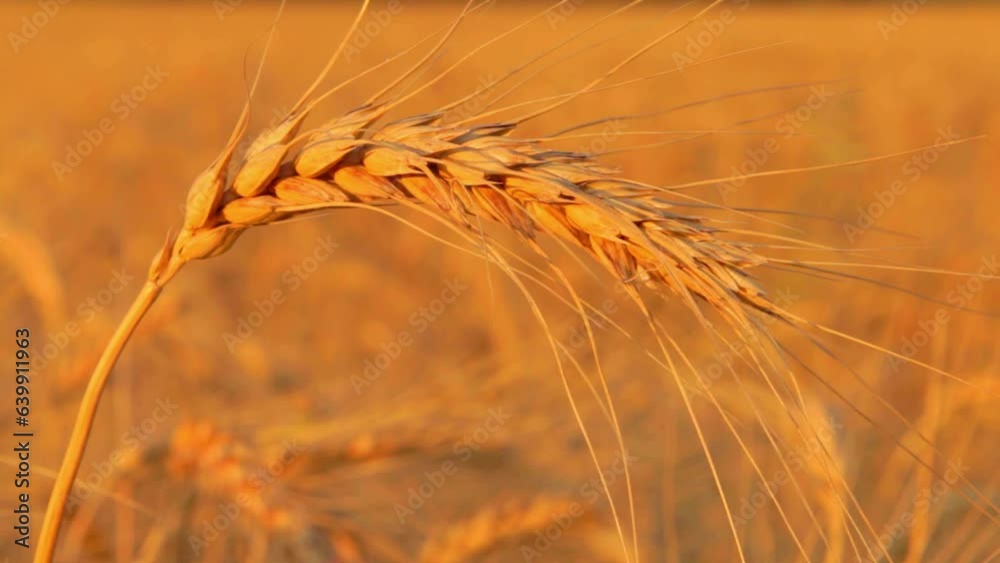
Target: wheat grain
[
  {"x": 204, "y": 467},
  {"x": 220, "y": 465},
  {"x": 473, "y": 173},
  {"x": 491, "y": 526}
]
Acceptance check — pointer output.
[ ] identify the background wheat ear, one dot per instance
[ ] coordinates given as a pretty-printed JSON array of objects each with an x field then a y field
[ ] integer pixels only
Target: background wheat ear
[{"x": 495, "y": 525}]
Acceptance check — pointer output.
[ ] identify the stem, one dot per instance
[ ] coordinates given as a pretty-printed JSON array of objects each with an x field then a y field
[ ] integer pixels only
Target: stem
[{"x": 85, "y": 420}]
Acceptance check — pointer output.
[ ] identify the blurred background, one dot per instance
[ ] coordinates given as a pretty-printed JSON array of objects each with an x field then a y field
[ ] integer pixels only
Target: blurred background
[{"x": 345, "y": 388}]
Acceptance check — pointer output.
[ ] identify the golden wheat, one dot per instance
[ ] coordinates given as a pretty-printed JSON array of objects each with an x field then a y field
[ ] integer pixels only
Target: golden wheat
[
  {"x": 214, "y": 473},
  {"x": 470, "y": 174},
  {"x": 491, "y": 526},
  {"x": 465, "y": 175}
]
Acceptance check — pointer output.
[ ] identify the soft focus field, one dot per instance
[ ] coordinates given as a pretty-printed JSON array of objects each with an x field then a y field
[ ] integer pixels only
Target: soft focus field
[{"x": 346, "y": 389}]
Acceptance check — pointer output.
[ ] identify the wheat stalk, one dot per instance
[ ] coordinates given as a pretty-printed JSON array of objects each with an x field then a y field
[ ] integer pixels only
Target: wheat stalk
[{"x": 468, "y": 173}]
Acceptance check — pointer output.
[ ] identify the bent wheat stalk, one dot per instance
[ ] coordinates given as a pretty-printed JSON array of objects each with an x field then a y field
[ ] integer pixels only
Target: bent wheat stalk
[{"x": 468, "y": 174}]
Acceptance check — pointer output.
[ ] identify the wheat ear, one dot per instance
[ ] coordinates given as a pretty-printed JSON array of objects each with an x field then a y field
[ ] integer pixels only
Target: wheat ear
[
  {"x": 466, "y": 173},
  {"x": 491, "y": 526}
]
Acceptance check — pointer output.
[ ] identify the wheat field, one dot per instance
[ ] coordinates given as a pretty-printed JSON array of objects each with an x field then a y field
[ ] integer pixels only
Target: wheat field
[{"x": 364, "y": 383}]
